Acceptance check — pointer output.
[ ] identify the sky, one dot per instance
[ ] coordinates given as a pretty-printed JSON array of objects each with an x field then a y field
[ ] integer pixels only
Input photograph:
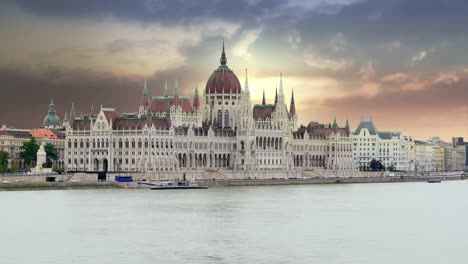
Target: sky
[{"x": 402, "y": 63}]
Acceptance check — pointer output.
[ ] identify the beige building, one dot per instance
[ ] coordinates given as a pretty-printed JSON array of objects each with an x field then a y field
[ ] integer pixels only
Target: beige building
[{"x": 11, "y": 140}]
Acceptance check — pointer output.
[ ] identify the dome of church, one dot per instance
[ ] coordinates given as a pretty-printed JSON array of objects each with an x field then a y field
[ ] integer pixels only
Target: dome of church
[
  {"x": 51, "y": 119},
  {"x": 223, "y": 79}
]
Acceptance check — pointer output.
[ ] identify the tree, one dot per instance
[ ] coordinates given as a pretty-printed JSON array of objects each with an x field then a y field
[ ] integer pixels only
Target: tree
[
  {"x": 4, "y": 156},
  {"x": 29, "y": 151},
  {"x": 391, "y": 167},
  {"x": 376, "y": 165},
  {"x": 52, "y": 154},
  {"x": 14, "y": 167}
]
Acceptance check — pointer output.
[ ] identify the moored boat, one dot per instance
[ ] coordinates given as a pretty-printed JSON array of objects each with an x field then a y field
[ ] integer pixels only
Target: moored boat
[
  {"x": 434, "y": 181},
  {"x": 177, "y": 185}
]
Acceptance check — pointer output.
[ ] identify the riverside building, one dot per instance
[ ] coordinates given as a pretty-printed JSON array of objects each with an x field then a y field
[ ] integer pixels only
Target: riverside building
[
  {"x": 219, "y": 131},
  {"x": 393, "y": 149}
]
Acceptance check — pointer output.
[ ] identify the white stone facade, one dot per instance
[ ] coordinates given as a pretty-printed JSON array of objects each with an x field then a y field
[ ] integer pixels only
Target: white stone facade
[
  {"x": 393, "y": 149},
  {"x": 225, "y": 133}
]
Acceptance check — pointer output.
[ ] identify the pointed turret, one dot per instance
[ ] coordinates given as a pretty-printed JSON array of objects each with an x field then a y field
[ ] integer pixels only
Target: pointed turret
[
  {"x": 145, "y": 99},
  {"x": 223, "y": 59},
  {"x": 65, "y": 118},
  {"x": 92, "y": 114},
  {"x": 347, "y": 126},
  {"x": 176, "y": 93},
  {"x": 335, "y": 125},
  {"x": 176, "y": 88},
  {"x": 292, "y": 107},
  {"x": 72, "y": 112},
  {"x": 263, "y": 100},
  {"x": 196, "y": 100},
  {"x": 166, "y": 94},
  {"x": 246, "y": 87},
  {"x": 276, "y": 95},
  {"x": 281, "y": 91}
]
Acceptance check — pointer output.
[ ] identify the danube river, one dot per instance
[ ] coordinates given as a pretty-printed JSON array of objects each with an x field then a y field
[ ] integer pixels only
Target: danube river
[{"x": 354, "y": 223}]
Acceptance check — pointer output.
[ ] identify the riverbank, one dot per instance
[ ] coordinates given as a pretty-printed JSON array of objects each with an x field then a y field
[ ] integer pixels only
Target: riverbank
[
  {"x": 328, "y": 180},
  {"x": 31, "y": 186},
  {"x": 39, "y": 186}
]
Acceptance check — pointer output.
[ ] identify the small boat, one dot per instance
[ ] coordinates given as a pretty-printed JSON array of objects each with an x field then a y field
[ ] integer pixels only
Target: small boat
[
  {"x": 434, "y": 181},
  {"x": 177, "y": 185}
]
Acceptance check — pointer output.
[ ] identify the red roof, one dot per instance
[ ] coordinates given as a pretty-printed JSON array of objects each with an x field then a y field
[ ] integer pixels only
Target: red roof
[
  {"x": 263, "y": 111},
  {"x": 161, "y": 105},
  {"x": 81, "y": 124},
  {"x": 125, "y": 124},
  {"x": 110, "y": 115},
  {"x": 223, "y": 80},
  {"x": 43, "y": 133},
  {"x": 326, "y": 132}
]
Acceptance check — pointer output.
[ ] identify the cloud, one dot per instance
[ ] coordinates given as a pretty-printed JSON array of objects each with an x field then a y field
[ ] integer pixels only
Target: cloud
[
  {"x": 320, "y": 63},
  {"x": 398, "y": 77},
  {"x": 126, "y": 48},
  {"x": 393, "y": 45},
  {"x": 422, "y": 55},
  {"x": 439, "y": 108},
  {"x": 367, "y": 71},
  {"x": 338, "y": 42},
  {"x": 329, "y": 7},
  {"x": 294, "y": 39},
  {"x": 248, "y": 37},
  {"x": 446, "y": 78}
]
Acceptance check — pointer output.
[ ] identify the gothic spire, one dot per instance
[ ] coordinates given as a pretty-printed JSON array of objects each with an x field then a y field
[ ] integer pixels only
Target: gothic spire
[
  {"x": 347, "y": 125},
  {"x": 72, "y": 111},
  {"x": 281, "y": 92},
  {"x": 276, "y": 95},
  {"x": 263, "y": 100},
  {"x": 246, "y": 87},
  {"x": 92, "y": 114},
  {"x": 145, "y": 100},
  {"x": 292, "y": 107},
  {"x": 335, "y": 125},
  {"x": 165, "y": 89},
  {"x": 176, "y": 94},
  {"x": 223, "y": 59},
  {"x": 176, "y": 89},
  {"x": 196, "y": 99}
]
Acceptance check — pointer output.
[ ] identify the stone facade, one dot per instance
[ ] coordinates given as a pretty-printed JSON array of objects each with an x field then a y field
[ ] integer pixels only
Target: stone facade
[
  {"x": 393, "y": 149},
  {"x": 11, "y": 140},
  {"x": 170, "y": 135}
]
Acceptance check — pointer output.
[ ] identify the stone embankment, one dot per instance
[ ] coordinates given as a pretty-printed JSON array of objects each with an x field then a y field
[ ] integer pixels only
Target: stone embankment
[
  {"x": 38, "y": 186},
  {"x": 212, "y": 178},
  {"x": 331, "y": 180}
]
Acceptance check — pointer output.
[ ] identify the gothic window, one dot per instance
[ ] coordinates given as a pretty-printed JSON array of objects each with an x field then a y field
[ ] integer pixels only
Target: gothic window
[
  {"x": 220, "y": 118},
  {"x": 226, "y": 118}
]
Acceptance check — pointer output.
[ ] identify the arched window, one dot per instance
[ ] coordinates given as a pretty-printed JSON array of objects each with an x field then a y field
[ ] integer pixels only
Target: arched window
[
  {"x": 226, "y": 118},
  {"x": 220, "y": 118}
]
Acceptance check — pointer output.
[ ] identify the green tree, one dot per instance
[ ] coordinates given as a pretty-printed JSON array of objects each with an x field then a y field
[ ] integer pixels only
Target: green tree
[
  {"x": 3, "y": 161},
  {"x": 29, "y": 151},
  {"x": 14, "y": 167},
  {"x": 52, "y": 154},
  {"x": 376, "y": 165}
]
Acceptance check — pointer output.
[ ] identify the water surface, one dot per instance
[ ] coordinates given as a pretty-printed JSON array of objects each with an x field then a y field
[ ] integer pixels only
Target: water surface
[{"x": 354, "y": 223}]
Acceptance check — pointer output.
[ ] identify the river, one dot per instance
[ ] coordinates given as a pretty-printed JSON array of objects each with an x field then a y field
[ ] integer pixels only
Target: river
[{"x": 336, "y": 223}]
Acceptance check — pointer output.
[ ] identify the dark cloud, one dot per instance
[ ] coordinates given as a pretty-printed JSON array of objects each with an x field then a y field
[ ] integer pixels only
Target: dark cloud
[
  {"x": 26, "y": 92},
  {"x": 439, "y": 106}
]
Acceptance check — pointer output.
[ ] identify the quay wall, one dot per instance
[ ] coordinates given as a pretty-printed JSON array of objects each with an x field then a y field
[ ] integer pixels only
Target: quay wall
[{"x": 228, "y": 178}]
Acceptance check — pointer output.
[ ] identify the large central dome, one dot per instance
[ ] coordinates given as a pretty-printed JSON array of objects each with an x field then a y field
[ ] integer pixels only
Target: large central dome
[{"x": 223, "y": 80}]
